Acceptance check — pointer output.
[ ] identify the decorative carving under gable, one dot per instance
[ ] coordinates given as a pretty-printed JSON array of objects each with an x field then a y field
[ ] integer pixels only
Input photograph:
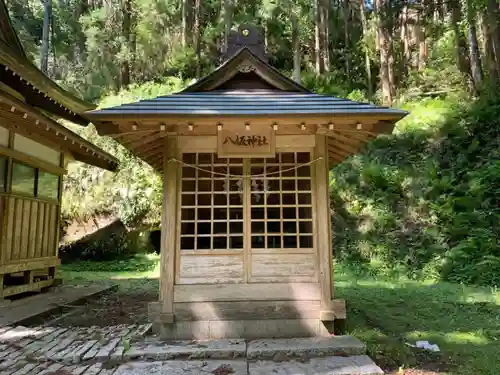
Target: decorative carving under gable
[{"x": 246, "y": 68}]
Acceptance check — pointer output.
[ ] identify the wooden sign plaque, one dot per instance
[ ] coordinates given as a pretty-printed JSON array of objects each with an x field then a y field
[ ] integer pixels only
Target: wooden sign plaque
[{"x": 246, "y": 143}]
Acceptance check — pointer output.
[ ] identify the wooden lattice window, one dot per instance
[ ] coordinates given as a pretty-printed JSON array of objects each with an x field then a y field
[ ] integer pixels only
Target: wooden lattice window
[
  {"x": 211, "y": 205},
  {"x": 281, "y": 203},
  {"x": 214, "y": 211}
]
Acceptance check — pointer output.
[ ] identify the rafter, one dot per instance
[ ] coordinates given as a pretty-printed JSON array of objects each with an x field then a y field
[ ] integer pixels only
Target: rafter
[{"x": 347, "y": 148}]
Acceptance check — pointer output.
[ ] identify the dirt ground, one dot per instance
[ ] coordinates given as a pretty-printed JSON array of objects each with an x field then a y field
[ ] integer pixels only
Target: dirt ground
[{"x": 114, "y": 308}]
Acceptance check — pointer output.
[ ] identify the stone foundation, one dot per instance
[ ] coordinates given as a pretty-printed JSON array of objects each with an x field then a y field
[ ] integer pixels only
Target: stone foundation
[{"x": 245, "y": 329}]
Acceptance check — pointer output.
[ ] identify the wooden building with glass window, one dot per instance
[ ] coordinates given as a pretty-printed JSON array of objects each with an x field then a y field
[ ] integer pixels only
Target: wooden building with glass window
[
  {"x": 246, "y": 228},
  {"x": 34, "y": 152}
]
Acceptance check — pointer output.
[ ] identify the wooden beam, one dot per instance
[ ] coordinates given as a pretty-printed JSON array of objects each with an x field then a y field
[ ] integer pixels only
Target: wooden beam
[
  {"x": 32, "y": 161},
  {"x": 347, "y": 138},
  {"x": 37, "y": 117},
  {"x": 144, "y": 139},
  {"x": 341, "y": 121},
  {"x": 168, "y": 226},
  {"x": 323, "y": 227},
  {"x": 127, "y": 138},
  {"x": 56, "y": 136},
  {"x": 384, "y": 127},
  {"x": 156, "y": 150},
  {"x": 356, "y": 135},
  {"x": 342, "y": 146},
  {"x": 107, "y": 128},
  {"x": 335, "y": 153},
  {"x": 145, "y": 149}
]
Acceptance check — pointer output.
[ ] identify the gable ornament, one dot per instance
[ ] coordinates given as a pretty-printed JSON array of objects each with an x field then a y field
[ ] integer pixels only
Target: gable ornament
[{"x": 246, "y": 68}]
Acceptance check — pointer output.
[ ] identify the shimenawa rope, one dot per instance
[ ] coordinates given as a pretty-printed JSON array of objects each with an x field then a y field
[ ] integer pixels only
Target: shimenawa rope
[{"x": 174, "y": 160}]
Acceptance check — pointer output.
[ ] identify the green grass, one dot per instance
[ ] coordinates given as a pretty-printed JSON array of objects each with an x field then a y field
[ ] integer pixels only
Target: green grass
[
  {"x": 385, "y": 313},
  {"x": 464, "y": 321}
]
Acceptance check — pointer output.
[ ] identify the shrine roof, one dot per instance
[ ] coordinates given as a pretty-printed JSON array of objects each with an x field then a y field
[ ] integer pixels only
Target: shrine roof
[{"x": 246, "y": 102}]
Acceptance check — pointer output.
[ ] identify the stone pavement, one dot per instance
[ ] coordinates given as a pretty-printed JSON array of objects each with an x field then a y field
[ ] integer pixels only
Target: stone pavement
[{"x": 127, "y": 350}]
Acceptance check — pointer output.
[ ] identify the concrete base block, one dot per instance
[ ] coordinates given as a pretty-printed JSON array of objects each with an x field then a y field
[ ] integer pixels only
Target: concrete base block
[{"x": 245, "y": 329}]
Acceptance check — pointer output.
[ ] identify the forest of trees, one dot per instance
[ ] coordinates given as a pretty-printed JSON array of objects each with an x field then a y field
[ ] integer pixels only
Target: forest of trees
[
  {"x": 422, "y": 201},
  {"x": 384, "y": 48}
]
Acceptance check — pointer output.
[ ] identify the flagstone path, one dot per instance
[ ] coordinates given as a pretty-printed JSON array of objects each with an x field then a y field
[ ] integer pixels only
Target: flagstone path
[{"x": 129, "y": 350}]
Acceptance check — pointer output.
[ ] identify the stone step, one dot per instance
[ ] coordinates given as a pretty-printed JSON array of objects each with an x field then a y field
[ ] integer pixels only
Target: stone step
[
  {"x": 305, "y": 348},
  {"x": 176, "y": 367},
  {"x": 353, "y": 365},
  {"x": 161, "y": 350}
]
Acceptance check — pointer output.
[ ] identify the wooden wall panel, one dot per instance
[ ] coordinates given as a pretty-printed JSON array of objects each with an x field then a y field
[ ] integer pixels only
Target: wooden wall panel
[
  {"x": 46, "y": 232},
  {"x": 51, "y": 249},
  {"x": 211, "y": 269},
  {"x": 33, "y": 229},
  {"x": 284, "y": 268},
  {"x": 18, "y": 228},
  {"x": 26, "y": 220},
  {"x": 247, "y": 292},
  {"x": 40, "y": 228},
  {"x": 248, "y": 310},
  {"x": 30, "y": 229},
  {"x": 9, "y": 229},
  {"x": 2, "y": 227}
]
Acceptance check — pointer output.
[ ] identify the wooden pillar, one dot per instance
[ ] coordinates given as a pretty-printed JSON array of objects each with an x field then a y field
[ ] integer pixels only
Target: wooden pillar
[
  {"x": 323, "y": 229},
  {"x": 168, "y": 229}
]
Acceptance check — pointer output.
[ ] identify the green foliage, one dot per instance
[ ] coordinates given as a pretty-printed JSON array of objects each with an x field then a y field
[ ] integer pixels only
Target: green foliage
[
  {"x": 116, "y": 246},
  {"x": 133, "y": 194},
  {"x": 424, "y": 201},
  {"x": 135, "y": 263}
]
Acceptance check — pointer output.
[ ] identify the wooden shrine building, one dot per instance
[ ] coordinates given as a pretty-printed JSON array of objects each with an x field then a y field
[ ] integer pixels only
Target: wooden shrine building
[
  {"x": 34, "y": 152},
  {"x": 245, "y": 153}
]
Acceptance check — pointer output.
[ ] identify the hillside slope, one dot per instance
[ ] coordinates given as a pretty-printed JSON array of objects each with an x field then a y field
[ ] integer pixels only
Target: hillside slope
[{"x": 425, "y": 201}]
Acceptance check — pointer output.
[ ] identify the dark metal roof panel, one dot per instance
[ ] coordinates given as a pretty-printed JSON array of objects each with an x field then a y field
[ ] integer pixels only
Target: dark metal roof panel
[{"x": 246, "y": 103}]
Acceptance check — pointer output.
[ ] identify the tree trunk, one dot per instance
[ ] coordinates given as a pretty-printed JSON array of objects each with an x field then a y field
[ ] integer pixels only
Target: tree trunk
[
  {"x": 296, "y": 47},
  {"x": 460, "y": 41},
  {"x": 368, "y": 68},
  {"x": 228, "y": 21},
  {"x": 347, "y": 36},
  {"x": 44, "y": 50},
  {"x": 422, "y": 48},
  {"x": 324, "y": 34},
  {"x": 126, "y": 32},
  {"x": 385, "y": 46},
  {"x": 404, "y": 38},
  {"x": 185, "y": 23},
  {"x": 197, "y": 35},
  {"x": 494, "y": 25},
  {"x": 317, "y": 45},
  {"x": 474, "y": 53},
  {"x": 489, "y": 51}
]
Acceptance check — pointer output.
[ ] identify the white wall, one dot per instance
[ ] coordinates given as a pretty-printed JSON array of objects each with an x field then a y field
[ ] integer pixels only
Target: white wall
[{"x": 37, "y": 150}]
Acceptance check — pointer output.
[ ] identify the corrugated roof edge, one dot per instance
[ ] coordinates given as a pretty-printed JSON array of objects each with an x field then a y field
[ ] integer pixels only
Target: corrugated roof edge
[{"x": 154, "y": 105}]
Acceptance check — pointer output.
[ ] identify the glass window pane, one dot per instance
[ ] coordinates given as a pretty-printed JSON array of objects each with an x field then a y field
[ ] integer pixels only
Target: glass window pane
[
  {"x": 48, "y": 185},
  {"x": 3, "y": 173},
  {"x": 23, "y": 179}
]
